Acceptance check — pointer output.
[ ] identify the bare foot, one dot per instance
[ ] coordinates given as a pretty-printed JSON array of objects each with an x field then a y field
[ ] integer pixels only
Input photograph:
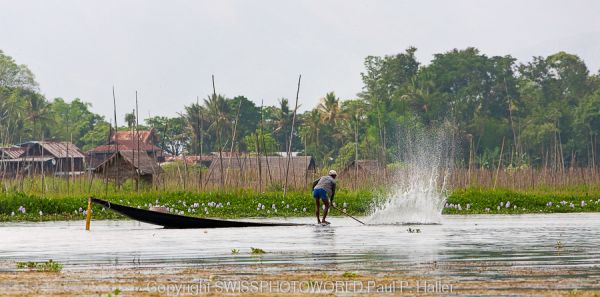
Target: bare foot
[{"x": 325, "y": 222}]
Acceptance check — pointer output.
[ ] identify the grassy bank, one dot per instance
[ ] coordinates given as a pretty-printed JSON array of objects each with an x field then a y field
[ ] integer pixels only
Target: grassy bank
[
  {"x": 482, "y": 201},
  {"x": 208, "y": 204},
  {"x": 33, "y": 207}
]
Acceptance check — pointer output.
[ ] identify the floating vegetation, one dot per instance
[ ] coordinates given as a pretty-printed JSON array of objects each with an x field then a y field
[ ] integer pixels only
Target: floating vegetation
[
  {"x": 350, "y": 274},
  {"x": 257, "y": 251},
  {"x": 49, "y": 266}
]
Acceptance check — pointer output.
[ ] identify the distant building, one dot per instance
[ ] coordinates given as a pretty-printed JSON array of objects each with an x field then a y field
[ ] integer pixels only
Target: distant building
[
  {"x": 272, "y": 168},
  {"x": 128, "y": 164},
  {"x": 361, "y": 168},
  {"x": 126, "y": 141},
  {"x": 47, "y": 157},
  {"x": 13, "y": 152}
]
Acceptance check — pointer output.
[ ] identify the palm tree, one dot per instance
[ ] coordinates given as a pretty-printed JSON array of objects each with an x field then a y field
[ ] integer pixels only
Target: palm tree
[
  {"x": 37, "y": 112},
  {"x": 283, "y": 118},
  {"x": 130, "y": 119},
  {"x": 330, "y": 108}
]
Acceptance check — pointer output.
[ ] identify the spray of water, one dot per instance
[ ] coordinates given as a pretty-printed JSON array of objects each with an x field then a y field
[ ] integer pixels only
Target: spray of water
[{"x": 419, "y": 190}]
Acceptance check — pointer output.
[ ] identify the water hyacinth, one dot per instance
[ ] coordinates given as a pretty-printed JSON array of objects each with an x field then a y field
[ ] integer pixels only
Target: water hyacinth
[
  {"x": 501, "y": 204},
  {"x": 21, "y": 209},
  {"x": 507, "y": 204},
  {"x": 498, "y": 207},
  {"x": 273, "y": 206},
  {"x": 582, "y": 203},
  {"x": 487, "y": 209},
  {"x": 80, "y": 209},
  {"x": 228, "y": 203},
  {"x": 304, "y": 209},
  {"x": 345, "y": 204},
  {"x": 12, "y": 214},
  {"x": 41, "y": 213}
]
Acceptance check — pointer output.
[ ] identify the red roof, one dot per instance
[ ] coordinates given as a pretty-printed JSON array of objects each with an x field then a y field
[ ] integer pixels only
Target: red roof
[
  {"x": 145, "y": 136},
  {"x": 130, "y": 146}
]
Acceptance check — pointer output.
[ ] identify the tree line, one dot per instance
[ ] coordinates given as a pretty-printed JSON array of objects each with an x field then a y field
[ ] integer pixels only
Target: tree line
[{"x": 545, "y": 112}]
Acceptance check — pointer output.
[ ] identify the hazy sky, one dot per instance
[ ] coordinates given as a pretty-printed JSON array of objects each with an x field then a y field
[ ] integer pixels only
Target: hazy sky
[{"x": 167, "y": 50}]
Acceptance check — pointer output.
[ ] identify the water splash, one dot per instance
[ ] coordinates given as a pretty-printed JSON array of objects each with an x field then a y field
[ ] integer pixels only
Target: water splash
[{"x": 419, "y": 192}]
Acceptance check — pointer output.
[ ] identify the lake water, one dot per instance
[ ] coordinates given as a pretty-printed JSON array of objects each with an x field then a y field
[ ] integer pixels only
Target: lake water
[{"x": 549, "y": 240}]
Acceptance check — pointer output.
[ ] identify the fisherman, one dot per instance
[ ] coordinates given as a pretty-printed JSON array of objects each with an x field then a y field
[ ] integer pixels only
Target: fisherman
[{"x": 324, "y": 189}]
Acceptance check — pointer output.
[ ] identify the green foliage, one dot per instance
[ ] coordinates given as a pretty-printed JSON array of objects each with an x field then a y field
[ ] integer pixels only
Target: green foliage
[
  {"x": 483, "y": 201},
  {"x": 234, "y": 204},
  {"x": 257, "y": 251},
  {"x": 49, "y": 266},
  {"x": 546, "y": 112},
  {"x": 350, "y": 274}
]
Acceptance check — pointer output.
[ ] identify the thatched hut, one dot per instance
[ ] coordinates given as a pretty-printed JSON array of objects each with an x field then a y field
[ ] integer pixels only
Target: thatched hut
[
  {"x": 270, "y": 169},
  {"x": 129, "y": 164}
]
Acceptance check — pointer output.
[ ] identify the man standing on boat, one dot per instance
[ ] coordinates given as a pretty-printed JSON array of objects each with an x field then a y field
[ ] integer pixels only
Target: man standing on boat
[{"x": 324, "y": 189}]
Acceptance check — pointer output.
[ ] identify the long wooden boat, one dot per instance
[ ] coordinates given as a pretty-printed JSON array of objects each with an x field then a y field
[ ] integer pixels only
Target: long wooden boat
[{"x": 173, "y": 221}]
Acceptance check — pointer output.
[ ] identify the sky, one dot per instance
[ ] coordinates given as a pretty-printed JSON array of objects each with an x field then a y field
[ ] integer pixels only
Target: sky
[{"x": 168, "y": 50}]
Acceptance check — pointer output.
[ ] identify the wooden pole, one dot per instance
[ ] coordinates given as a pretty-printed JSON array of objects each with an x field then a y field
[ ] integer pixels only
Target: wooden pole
[
  {"x": 219, "y": 134},
  {"x": 88, "y": 214},
  {"x": 289, "y": 151},
  {"x": 499, "y": 163},
  {"x": 118, "y": 180}
]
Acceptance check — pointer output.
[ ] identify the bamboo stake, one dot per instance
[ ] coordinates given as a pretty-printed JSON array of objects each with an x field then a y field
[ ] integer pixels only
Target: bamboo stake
[
  {"x": 237, "y": 118},
  {"x": 118, "y": 181},
  {"x": 219, "y": 134},
  {"x": 137, "y": 138},
  {"x": 499, "y": 163},
  {"x": 289, "y": 157}
]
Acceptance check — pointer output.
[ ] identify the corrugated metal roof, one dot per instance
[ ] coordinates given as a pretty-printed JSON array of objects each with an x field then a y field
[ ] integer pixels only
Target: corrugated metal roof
[
  {"x": 11, "y": 152},
  {"x": 58, "y": 149}
]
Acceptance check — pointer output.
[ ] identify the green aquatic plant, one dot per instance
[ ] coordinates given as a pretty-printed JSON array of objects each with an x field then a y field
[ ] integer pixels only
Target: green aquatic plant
[
  {"x": 49, "y": 266},
  {"x": 257, "y": 251},
  {"x": 350, "y": 274},
  {"x": 235, "y": 251}
]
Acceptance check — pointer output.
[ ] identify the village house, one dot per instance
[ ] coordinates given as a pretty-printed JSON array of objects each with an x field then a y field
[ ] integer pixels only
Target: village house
[
  {"x": 144, "y": 141},
  {"x": 129, "y": 164},
  {"x": 42, "y": 157}
]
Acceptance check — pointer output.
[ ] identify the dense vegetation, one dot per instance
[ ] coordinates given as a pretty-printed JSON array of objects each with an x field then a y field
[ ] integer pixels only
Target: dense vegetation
[
  {"x": 17, "y": 206},
  {"x": 543, "y": 112}
]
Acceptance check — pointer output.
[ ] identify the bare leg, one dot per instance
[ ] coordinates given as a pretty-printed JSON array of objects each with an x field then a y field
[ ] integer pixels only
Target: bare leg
[
  {"x": 317, "y": 212},
  {"x": 326, "y": 202}
]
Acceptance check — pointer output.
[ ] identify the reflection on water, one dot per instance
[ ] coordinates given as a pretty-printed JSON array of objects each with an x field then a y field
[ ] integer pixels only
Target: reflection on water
[{"x": 521, "y": 241}]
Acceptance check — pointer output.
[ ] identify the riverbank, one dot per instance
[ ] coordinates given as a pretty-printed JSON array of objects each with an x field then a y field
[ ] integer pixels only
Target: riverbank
[{"x": 246, "y": 204}]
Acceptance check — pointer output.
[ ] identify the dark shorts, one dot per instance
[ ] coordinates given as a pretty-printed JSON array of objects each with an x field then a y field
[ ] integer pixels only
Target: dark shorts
[{"x": 320, "y": 194}]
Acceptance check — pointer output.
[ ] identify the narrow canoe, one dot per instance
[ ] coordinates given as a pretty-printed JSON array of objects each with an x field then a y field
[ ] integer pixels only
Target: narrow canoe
[{"x": 173, "y": 221}]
